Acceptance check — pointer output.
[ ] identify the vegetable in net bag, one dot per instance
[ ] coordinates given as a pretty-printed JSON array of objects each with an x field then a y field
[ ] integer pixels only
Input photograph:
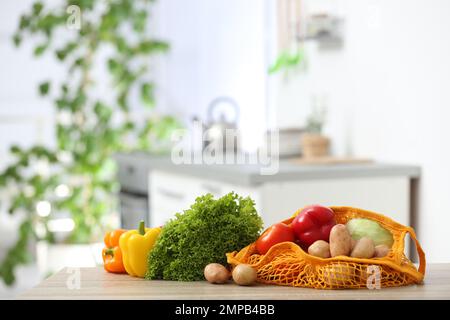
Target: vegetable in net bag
[{"x": 287, "y": 264}]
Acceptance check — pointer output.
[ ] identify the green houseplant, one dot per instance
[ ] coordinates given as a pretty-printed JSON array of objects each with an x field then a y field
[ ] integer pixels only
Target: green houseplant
[{"x": 77, "y": 177}]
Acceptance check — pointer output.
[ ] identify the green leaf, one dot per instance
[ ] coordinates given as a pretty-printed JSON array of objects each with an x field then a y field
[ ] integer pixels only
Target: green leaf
[
  {"x": 103, "y": 112},
  {"x": 17, "y": 39},
  {"x": 61, "y": 54},
  {"x": 287, "y": 60},
  {"x": 44, "y": 88},
  {"x": 16, "y": 255},
  {"x": 18, "y": 202},
  {"x": 122, "y": 101},
  {"x": 39, "y": 50},
  {"x": 79, "y": 102},
  {"x": 84, "y": 4},
  {"x": 147, "y": 94},
  {"x": 139, "y": 20},
  {"x": 24, "y": 22},
  {"x": 165, "y": 126},
  {"x": 112, "y": 64},
  {"x": 128, "y": 126},
  {"x": 107, "y": 170},
  {"x": 2, "y": 181},
  {"x": 49, "y": 22},
  {"x": 279, "y": 63},
  {"x": 12, "y": 172},
  {"x": 115, "y": 67},
  {"x": 61, "y": 103},
  {"x": 79, "y": 62},
  {"x": 37, "y": 8},
  {"x": 121, "y": 45},
  {"x": 64, "y": 89},
  {"x": 15, "y": 149},
  {"x": 151, "y": 46}
]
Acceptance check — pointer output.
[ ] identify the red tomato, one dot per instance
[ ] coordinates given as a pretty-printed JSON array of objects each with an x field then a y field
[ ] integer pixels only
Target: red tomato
[
  {"x": 313, "y": 223},
  {"x": 277, "y": 233}
]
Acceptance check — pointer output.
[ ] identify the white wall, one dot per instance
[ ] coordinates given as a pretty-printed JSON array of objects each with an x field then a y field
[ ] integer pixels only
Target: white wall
[
  {"x": 217, "y": 48},
  {"x": 24, "y": 118},
  {"x": 389, "y": 97}
]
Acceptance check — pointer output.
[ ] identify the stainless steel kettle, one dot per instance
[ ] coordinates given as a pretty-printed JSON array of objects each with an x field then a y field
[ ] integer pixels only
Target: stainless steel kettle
[{"x": 220, "y": 132}]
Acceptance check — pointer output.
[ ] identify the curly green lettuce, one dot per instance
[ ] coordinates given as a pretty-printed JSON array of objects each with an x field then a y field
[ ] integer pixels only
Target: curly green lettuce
[{"x": 203, "y": 234}]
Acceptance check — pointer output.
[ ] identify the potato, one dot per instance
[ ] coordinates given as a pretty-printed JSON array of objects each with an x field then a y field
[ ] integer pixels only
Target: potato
[
  {"x": 381, "y": 250},
  {"x": 216, "y": 273},
  {"x": 320, "y": 249},
  {"x": 364, "y": 248},
  {"x": 340, "y": 241},
  {"x": 336, "y": 275},
  {"x": 353, "y": 243}
]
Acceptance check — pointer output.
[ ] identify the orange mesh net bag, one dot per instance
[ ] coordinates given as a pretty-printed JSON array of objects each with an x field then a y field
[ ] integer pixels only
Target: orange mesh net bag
[{"x": 287, "y": 264}]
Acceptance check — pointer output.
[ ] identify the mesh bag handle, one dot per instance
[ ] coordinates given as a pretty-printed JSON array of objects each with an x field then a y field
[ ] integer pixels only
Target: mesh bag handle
[{"x": 420, "y": 252}]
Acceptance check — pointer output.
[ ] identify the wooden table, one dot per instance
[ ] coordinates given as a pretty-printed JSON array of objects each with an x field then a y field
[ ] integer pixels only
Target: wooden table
[{"x": 95, "y": 283}]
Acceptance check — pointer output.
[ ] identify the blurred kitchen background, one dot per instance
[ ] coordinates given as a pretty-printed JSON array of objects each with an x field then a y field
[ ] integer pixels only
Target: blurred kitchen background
[{"x": 359, "y": 90}]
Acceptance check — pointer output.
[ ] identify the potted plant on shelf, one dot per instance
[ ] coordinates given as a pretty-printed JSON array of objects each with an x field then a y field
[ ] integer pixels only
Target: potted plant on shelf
[
  {"x": 314, "y": 143},
  {"x": 67, "y": 193}
]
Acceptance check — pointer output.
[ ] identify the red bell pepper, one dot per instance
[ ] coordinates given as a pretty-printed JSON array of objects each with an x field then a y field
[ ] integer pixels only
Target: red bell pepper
[{"x": 313, "y": 223}]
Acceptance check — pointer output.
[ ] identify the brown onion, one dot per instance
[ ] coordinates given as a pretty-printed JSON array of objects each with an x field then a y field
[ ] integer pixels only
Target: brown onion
[{"x": 244, "y": 275}]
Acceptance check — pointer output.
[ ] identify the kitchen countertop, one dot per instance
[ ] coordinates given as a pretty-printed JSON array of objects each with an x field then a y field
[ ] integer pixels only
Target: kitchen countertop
[
  {"x": 134, "y": 166},
  {"x": 95, "y": 283}
]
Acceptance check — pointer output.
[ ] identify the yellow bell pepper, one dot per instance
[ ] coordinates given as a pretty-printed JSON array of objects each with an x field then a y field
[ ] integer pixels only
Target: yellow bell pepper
[{"x": 135, "y": 246}]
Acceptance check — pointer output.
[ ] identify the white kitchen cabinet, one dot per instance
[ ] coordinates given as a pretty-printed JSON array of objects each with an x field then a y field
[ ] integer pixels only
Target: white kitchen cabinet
[
  {"x": 170, "y": 193},
  {"x": 387, "y": 195}
]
